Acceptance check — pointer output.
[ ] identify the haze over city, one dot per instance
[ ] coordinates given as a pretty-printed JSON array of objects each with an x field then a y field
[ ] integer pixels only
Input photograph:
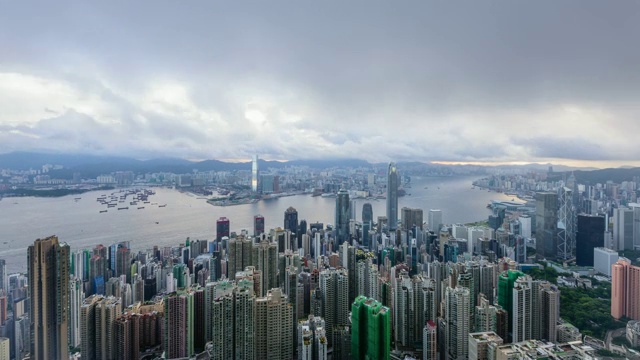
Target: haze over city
[{"x": 464, "y": 82}]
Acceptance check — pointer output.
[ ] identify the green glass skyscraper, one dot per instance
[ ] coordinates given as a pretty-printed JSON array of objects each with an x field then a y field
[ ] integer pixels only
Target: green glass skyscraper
[{"x": 370, "y": 329}]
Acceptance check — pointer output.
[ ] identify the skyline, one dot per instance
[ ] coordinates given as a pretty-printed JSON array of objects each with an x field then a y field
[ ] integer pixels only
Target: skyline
[{"x": 452, "y": 83}]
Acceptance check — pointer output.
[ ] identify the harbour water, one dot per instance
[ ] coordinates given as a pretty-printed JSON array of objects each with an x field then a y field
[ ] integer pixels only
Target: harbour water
[{"x": 80, "y": 223}]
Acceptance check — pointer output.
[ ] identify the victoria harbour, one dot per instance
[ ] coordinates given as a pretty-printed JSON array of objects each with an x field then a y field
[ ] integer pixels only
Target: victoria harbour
[{"x": 81, "y": 225}]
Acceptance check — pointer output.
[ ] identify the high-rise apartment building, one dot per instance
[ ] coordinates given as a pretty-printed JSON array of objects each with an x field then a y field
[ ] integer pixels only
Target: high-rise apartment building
[
  {"x": 521, "y": 310},
  {"x": 625, "y": 290},
  {"x": 392, "y": 196},
  {"x": 370, "y": 329},
  {"x": 547, "y": 225},
  {"x": 590, "y": 235},
  {"x": 76, "y": 297},
  {"x": 342, "y": 217},
  {"x": 334, "y": 288},
  {"x": 178, "y": 320},
  {"x": 48, "y": 272},
  {"x": 232, "y": 326},
  {"x": 265, "y": 259},
  {"x": 274, "y": 326},
  {"x": 240, "y": 255},
  {"x": 457, "y": 317},
  {"x": 430, "y": 341}
]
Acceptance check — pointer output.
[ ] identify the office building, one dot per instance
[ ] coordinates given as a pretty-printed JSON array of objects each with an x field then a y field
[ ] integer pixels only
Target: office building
[
  {"x": 258, "y": 225},
  {"x": 370, "y": 329},
  {"x": 222, "y": 228},
  {"x": 410, "y": 217},
  {"x": 392, "y": 196},
  {"x": 254, "y": 174},
  {"x": 566, "y": 225},
  {"x": 590, "y": 236},
  {"x": 291, "y": 219},
  {"x": 342, "y": 217},
  {"x": 435, "y": 220},
  {"x": 603, "y": 260},
  {"x": 274, "y": 326},
  {"x": 48, "y": 269},
  {"x": 525, "y": 226},
  {"x": 623, "y": 229},
  {"x": 546, "y": 225},
  {"x": 367, "y": 213}
]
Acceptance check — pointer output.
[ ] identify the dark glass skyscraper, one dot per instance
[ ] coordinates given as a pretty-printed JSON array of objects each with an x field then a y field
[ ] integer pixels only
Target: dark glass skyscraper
[
  {"x": 342, "y": 217},
  {"x": 367, "y": 212},
  {"x": 291, "y": 220},
  {"x": 258, "y": 225},
  {"x": 222, "y": 228},
  {"x": 590, "y": 236},
  {"x": 392, "y": 196},
  {"x": 547, "y": 225}
]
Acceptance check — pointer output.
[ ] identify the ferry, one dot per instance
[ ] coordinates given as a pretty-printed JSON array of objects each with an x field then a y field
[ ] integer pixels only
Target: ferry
[
  {"x": 163, "y": 205},
  {"x": 124, "y": 208},
  {"x": 140, "y": 207},
  {"x": 103, "y": 211}
]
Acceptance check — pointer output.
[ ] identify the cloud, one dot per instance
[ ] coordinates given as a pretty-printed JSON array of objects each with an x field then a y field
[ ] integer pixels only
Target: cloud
[{"x": 426, "y": 81}]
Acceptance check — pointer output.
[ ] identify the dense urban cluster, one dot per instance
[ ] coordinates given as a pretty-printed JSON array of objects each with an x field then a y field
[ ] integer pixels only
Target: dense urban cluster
[{"x": 395, "y": 285}]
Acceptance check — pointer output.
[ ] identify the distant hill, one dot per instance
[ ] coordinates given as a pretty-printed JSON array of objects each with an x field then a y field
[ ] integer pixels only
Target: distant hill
[{"x": 602, "y": 176}]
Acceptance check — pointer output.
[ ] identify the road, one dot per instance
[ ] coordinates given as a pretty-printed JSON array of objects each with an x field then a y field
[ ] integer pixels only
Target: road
[{"x": 613, "y": 334}]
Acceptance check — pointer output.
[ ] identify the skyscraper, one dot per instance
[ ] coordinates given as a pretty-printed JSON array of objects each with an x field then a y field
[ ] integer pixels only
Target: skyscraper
[
  {"x": 367, "y": 212},
  {"x": 435, "y": 220},
  {"x": 222, "y": 228},
  {"x": 254, "y": 174},
  {"x": 274, "y": 326},
  {"x": 265, "y": 259},
  {"x": 625, "y": 290},
  {"x": 258, "y": 225},
  {"x": 48, "y": 271},
  {"x": 370, "y": 329},
  {"x": 622, "y": 229},
  {"x": 240, "y": 254},
  {"x": 232, "y": 321},
  {"x": 342, "y": 217},
  {"x": 178, "y": 319},
  {"x": 590, "y": 236},
  {"x": 457, "y": 317},
  {"x": 546, "y": 224},
  {"x": 566, "y": 225},
  {"x": 392, "y": 196},
  {"x": 334, "y": 287},
  {"x": 291, "y": 219},
  {"x": 410, "y": 217}
]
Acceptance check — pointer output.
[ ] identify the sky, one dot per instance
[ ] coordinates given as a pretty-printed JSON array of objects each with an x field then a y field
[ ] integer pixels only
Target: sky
[{"x": 446, "y": 81}]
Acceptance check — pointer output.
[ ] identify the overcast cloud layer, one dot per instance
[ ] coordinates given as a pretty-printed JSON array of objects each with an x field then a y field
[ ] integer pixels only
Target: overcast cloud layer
[{"x": 473, "y": 81}]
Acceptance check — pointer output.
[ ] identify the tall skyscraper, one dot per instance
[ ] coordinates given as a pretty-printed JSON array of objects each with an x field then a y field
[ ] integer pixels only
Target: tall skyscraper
[
  {"x": 622, "y": 229},
  {"x": 625, "y": 290},
  {"x": 265, "y": 259},
  {"x": 392, "y": 196},
  {"x": 232, "y": 327},
  {"x": 457, "y": 318},
  {"x": 222, "y": 228},
  {"x": 254, "y": 174},
  {"x": 342, "y": 217},
  {"x": 48, "y": 272},
  {"x": 274, "y": 326},
  {"x": 240, "y": 255},
  {"x": 410, "y": 217},
  {"x": 547, "y": 225},
  {"x": 370, "y": 329},
  {"x": 178, "y": 319},
  {"x": 566, "y": 225},
  {"x": 435, "y": 220},
  {"x": 291, "y": 220},
  {"x": 367, "y": 212},
  {"x": 334, "y": 287},
  {"x": 4, "y": 279},
  {"x": 590, "y": 236},
  {"x": 429, "y": 341},
  {"x": 258, "y": 225}
]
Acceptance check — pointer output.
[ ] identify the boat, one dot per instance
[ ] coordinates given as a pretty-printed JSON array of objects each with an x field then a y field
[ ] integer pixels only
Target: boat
[
  {"x": 157, "y": 222},
  {"x": 103, "y": 211},
  {"x": 163, "y": 205},
  {"x": 140, "y": 207},
  {"x": 124, "y": 208}
]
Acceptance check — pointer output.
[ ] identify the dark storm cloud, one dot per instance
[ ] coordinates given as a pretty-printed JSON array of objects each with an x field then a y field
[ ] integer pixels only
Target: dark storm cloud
[{"x": 416, "y": 80}]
